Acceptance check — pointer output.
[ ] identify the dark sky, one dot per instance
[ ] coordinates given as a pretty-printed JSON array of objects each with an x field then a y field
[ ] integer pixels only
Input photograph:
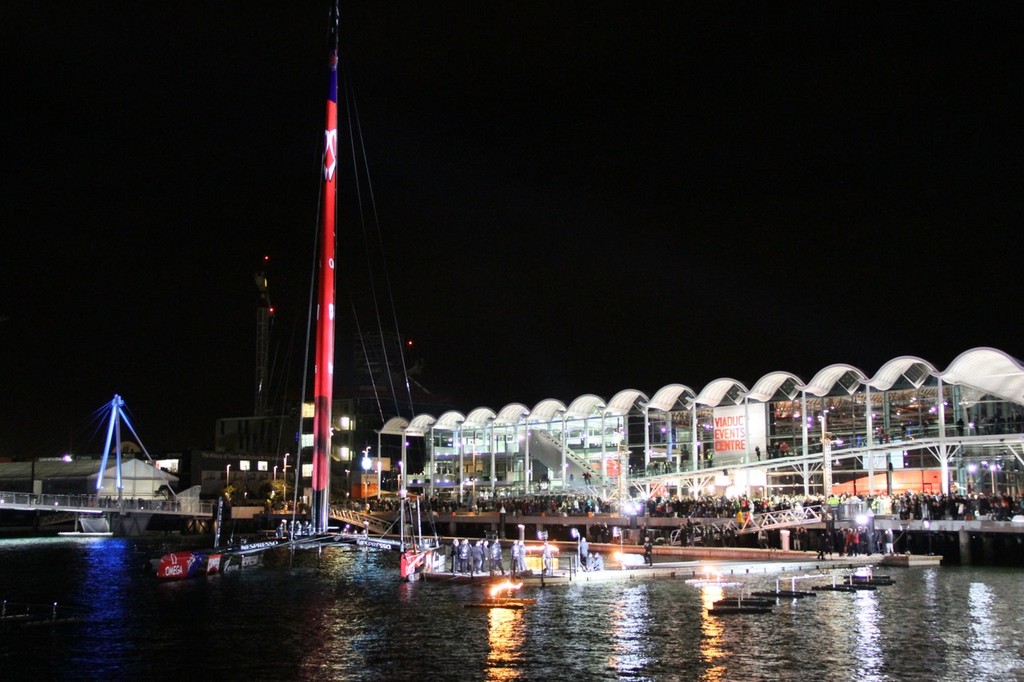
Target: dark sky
[{"x": 571, "y": 197}]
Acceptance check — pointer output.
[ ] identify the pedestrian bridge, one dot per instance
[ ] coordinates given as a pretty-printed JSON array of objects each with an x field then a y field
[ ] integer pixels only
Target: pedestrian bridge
[
  {"x": 93, "y": 504},
  {"x": 93, "y": 513}
]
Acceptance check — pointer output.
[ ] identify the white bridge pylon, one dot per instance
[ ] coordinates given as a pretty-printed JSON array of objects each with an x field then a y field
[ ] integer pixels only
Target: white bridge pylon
[{"x": 117, "y": 415}]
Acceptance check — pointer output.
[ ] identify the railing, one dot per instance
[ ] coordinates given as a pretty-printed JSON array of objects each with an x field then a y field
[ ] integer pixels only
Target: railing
[
  {"x": 571, "y": 455},
  {"x": 783, "y": 518},
  {"x": 360, "y": 520},
  {"x": 94, "y": 503}
]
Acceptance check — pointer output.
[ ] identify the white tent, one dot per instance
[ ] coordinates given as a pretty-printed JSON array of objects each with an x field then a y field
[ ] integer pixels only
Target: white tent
[{"x": 139, "y": 479}]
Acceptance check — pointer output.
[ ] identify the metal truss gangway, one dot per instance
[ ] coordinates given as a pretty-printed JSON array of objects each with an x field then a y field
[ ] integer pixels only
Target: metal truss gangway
[
  {"x": 357, "y": 519},
  {"x": 783, "y": 518},
  {"x": 773, "y": 520}
]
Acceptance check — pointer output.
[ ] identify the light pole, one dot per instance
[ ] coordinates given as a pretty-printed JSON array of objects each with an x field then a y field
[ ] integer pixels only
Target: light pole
[
  {"x": 275, "y": 472},
  {"x": 227, "y": 477},
  {"x": 366, "y": 463},
  {"x": 284, "y": 477},
  {"x": 474, "y": 476},
  {"x": 826, "y": 454},
  {"x": 378, "y": 478}
]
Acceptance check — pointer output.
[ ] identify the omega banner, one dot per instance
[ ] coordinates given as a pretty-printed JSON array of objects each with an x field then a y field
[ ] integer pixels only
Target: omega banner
[{"x": 738, "y": 425}]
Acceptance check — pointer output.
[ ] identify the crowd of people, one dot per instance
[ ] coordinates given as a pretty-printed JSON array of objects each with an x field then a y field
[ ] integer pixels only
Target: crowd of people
[{"x": 907, "y": 505}]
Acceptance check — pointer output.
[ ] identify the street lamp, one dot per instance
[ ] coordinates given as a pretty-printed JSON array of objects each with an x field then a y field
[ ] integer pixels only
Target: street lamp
[
  {"x": 227, "y": 477},
  {"x": 826, "y": 453},
  {"x": 474, "y": 475},
  {"x": 284, "y": 477},
  {"x": 366, "y": 464},
  {"x": 378, "y": 478},
  {"x": 275, "y": 472}
]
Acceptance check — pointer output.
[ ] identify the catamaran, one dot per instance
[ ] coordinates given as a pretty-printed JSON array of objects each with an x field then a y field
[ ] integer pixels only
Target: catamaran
[{"x": 416, "y": 547}]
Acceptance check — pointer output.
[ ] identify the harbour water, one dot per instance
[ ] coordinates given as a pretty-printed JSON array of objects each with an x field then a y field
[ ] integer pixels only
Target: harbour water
[{"x": 341, "y": 614}]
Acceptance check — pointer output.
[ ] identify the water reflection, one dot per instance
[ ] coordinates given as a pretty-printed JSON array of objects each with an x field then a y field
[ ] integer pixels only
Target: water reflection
[
  {"x": 712, "y": 636},
  {"x": 987, "y": 641},
  {"x": 344, "y": 615},
  {"x": 630, "y": 617},
  {"x": 868, "y": 636},
  {"x": 505, "y": 635}
]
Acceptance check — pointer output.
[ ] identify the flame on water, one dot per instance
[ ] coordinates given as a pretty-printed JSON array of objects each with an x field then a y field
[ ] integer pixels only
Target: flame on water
[{"x": 507, "y": 586}]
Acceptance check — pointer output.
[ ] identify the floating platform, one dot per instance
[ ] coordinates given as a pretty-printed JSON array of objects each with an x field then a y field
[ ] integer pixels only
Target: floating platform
[
  {"x": 497, "y": 604},
  {"x": 906, "y": 560},
  {"x": 730, "y": 609},
  {"x": 842, "y": 587},
  {"x": 867, "y": 580},
  {"x": 744, "y": 601},
  {"x": 787, "y": 594}
]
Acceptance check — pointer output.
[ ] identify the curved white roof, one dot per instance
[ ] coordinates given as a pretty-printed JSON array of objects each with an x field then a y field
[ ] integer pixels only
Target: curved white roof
[
  {"x": 913, "y": 369},
  {"x": 848, "y": 377},
  {"x": 513, "y": 413},
  {"x": 667, "y": 397},
  {"x": 420, "y": 425},
  {"x": 623, "y": 401},
  {"x": 990, "y": 370},
  {"x": 775, "y": 383},
  {"x": 719, "y": 390},
  {"x": 987, "y": 370},
  {"x": 449, "y": 421},
  {"x": 394, "y": 427},
  {"x": 545, "y": 411},
  {"x": 478, "y": 418},
  {"x": 584, "y": 406}
]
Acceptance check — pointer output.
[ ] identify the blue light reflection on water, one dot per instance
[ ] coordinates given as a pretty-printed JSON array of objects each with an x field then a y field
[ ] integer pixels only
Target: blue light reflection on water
[{"x": 341, "y": 614}]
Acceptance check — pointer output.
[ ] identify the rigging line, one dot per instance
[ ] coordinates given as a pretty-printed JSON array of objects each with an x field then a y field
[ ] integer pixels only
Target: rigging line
[
  {"x": 359, "y": 333},
  {"x": 359, "y": 202},
  {"x": 384, "y": 261},
  {"x": 282, "y": 397},
  {"x": 353, "y": 116}
]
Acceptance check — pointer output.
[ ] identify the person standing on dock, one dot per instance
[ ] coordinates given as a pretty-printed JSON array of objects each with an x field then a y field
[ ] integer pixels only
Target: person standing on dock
[
  {"x": 464, "y": 557},
  {"x": 888, "y": 541},
  {"x": 546, "y": 557},
  {"x": 648, "y": 550},
  {"x": 478, "y": 557},
  {"x": 522, "y": 557},
  {"x": 513, "y": 564},
  {"x": 496, "y": 558},
  {"x": 583, "y": 551}
]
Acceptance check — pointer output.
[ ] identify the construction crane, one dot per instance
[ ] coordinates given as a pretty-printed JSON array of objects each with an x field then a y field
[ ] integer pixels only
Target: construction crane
[{"x": 264, "y": 316}]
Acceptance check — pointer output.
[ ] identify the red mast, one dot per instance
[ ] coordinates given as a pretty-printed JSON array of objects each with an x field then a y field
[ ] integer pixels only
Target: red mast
[{"x": 323, "y": 390}]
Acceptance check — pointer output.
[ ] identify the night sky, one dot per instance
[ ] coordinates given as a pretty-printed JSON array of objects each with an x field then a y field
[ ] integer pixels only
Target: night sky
[{"x": 567, "y": 198}]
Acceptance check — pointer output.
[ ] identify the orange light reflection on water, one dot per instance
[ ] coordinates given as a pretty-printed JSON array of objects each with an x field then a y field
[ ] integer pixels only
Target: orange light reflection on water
[
  {"x": 712, "y": 632},
  {"x": 505, "y": 635}
]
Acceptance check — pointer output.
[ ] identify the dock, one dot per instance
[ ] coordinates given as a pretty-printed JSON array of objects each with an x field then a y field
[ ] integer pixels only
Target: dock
[{"x": 725, "y": 567}]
